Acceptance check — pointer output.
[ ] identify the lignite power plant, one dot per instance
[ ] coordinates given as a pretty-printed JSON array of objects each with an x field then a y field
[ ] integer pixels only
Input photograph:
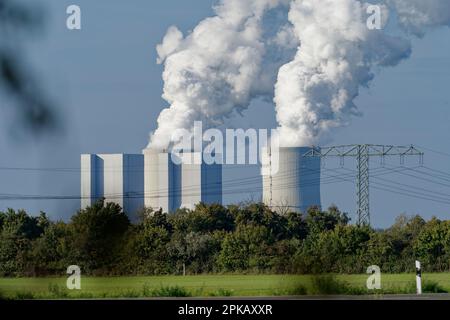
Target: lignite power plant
[
  {"x": 151, "y": 179},
  {"x": 154, "y": 180},
  {"x": 229, "y": 60},
  {"x": 290, "y": 180}
]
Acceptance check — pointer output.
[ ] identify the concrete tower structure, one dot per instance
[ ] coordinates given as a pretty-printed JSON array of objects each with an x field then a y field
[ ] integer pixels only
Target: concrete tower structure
[
  {"x": 173, "y": 182},
  {"x": 153, "y": 179},
  {"x": 291, "y": 181},
  {"x": 118, "y": 178},
  {"x": 201, "y": 182},
  {"x": 162, "y": 181}
]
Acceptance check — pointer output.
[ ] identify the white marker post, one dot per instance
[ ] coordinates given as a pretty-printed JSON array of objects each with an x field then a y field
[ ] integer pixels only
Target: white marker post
[{"x": 418, "y": 277}]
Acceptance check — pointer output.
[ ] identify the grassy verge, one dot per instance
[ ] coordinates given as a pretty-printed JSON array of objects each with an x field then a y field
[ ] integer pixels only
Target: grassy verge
[{"x": 215, "y": 286}]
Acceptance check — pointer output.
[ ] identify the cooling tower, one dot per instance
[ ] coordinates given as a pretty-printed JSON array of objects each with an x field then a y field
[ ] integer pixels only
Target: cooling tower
[{"x": 290, "y": 180}]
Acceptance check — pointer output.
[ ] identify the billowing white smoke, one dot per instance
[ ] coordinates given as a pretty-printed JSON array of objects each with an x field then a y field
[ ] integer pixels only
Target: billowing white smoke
[
  {"x": 416, "y": 16},
  {"x": 315, "y": 92},
  {"x": 225, "y": 62},
  {"x": 234, "y": 57}
]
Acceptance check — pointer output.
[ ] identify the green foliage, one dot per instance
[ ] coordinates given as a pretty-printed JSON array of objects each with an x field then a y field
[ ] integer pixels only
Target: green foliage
[
  {"x": 25, "y": 295},
  {"x": 246, "y": 248},
  {"x": 57, "y": 292},
  {"x": 96, "y": 234},
  {"x": 221, "y": 293},
  {"x": 296, "y": 226},
  {"x": 51, "y": 249},
  {"x": 298, "y": 290},
  {"x": 432, "y": 245},
  {"x": 249, "y": 238},
  {"x": 319, "y": 221},
  {"x": 432, "y": 287},
  {"x": 329, "y": 285},
  {"x": 17, "y": 232},
  {"x": 145, "y": 249},
  {"x": 169, "y": 291},
  {"x": 204, "y": 218}
]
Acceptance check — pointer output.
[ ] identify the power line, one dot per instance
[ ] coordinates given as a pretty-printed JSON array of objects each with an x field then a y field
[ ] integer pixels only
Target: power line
[
  {"x": 332, "y": 178},
  {"x": 363, "y": 153},
  {"x": 424, "y": 179},
  {"x": 382, "y": 184},
  {"x": 412, "y": 189},
  {"x": 442, "y": 153}
]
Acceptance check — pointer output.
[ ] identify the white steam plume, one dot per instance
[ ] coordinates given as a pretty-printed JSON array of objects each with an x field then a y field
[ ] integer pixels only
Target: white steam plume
[
  {"x": 225, "y": 62},
  {"x": 315, "y": 91},
  {"x": 316, "y": 53},
  {"x": 417, "y": 16}
]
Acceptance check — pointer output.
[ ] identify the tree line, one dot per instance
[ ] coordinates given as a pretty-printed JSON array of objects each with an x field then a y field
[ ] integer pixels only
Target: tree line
[{"x": 248, "y": 238}]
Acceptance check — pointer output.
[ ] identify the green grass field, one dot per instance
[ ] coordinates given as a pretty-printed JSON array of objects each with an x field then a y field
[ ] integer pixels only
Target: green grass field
[{"x": 213, "y": 285}]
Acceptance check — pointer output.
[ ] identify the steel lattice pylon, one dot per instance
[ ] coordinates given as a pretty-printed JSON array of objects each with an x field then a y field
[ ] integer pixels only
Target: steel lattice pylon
[
  {"x": 362, "y": 153},
  {"x": 362, "y": 186}
]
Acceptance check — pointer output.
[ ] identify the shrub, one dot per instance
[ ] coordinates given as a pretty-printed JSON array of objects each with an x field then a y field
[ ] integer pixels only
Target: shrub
[
  {"x": 129, "y": 294},
  {"x": 433, "y": 287},
  {"x": 328, "y": 285},
  {"x": 298, "y": 290},
  {"x": 168, "y": 291},
  {"x": 57, "y": 292},
  {"x": 24, "y": 295},
  {"x": 221, "y": 293}
]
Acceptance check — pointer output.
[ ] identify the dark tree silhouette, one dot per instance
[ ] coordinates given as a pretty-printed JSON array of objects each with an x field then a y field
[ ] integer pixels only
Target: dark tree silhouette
[{"x": 16, "y": 81}]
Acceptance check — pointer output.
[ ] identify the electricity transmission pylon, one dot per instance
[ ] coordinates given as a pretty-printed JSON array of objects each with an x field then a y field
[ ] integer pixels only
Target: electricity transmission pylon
[{"x": 363, "y": 153}]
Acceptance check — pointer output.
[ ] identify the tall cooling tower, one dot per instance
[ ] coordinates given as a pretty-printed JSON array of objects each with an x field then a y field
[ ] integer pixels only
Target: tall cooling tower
[{"x": 290, "y": 180}]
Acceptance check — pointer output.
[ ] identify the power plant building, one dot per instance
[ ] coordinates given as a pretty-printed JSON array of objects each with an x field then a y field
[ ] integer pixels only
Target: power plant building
[
  {"x": 201, "y": 182},
  {"x": 290, "y": 180},
  {"x": 118, "y": 178},
  {"x": 173, "y": 182},
  {"x": 152, "y": 179},
  {"x": 162, "y": 181}
]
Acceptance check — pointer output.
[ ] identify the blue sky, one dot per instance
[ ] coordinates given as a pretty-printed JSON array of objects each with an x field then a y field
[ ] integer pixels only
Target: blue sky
[{"x": 107, "y": 85}]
